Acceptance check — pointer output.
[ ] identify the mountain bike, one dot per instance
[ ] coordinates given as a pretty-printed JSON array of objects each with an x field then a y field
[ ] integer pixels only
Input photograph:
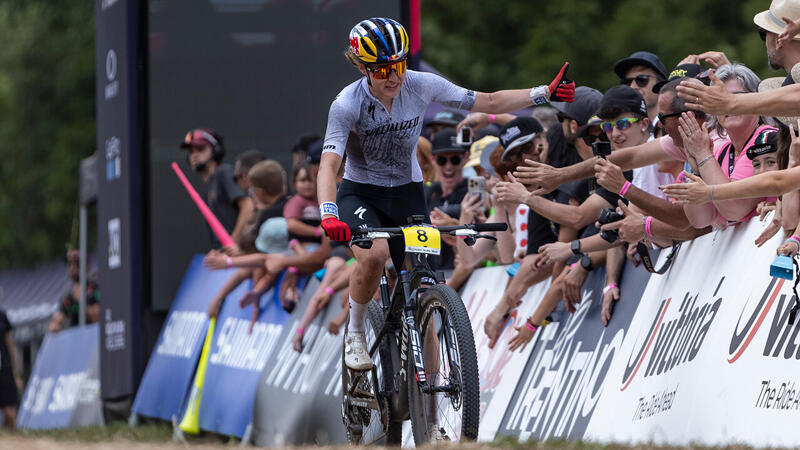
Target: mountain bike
[{"x": 421, "y": 342}]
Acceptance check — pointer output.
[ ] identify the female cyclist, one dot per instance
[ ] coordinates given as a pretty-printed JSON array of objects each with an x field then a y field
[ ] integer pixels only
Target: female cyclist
[{"x": 377, "y": 121}]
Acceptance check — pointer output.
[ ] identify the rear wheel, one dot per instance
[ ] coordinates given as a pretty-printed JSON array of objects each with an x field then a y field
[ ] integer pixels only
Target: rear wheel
[
  {"x": 451, "y": 408},
  {"x": 365, "y": 407}
]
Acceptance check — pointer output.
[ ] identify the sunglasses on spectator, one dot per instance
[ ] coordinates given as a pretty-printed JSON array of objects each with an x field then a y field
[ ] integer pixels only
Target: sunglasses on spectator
[
  {"x": 621, "y": 124},
  {"x": 454, "y": 160},
  {"x": 762, "y": 33},
  {"x": 590, "y": 139},
  {"x": 662, "y": 117},
  {"x": 385, "y": 71},
  {"x": 641, "y": 80}
]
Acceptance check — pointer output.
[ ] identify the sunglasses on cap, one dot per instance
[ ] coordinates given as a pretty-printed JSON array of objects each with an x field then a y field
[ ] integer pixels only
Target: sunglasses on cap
[
  {"x": 454, "y": 160},
  {"x": 641, "y": 80},
  {"x": 590, "y": 139},
  {"x": 385, "y": 71},
  {"x": 621, "y": 124}
]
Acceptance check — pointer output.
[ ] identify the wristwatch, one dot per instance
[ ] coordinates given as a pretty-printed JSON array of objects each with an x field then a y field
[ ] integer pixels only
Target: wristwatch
[
  {"x": 586, "y": 263},
  {"x": 575, "y": 246}
]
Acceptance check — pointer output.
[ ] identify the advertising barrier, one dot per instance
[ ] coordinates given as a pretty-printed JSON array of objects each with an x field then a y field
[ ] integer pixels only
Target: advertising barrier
[
  {"x": 64, "y": 388},
  {"x": 683, "y": 350},
  {"x": 710, "y": 356},
  {"x": 171, "y": 367},
  {"x": 299, "y": 396},
  {"x": 236, "y": 360}
]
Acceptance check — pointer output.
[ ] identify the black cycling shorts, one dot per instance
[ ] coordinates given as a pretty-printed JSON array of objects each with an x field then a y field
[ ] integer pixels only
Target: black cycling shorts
[{"x": 366, "y": 205}]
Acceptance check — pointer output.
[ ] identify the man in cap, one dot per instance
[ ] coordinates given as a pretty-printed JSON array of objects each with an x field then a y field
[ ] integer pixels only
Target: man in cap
[
  {"x": 641, "y": 71},
  {"x": 225, "y": 198}
]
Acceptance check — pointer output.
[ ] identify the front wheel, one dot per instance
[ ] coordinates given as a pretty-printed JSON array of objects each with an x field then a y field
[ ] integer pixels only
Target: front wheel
[{"x": 448, "y": 405}]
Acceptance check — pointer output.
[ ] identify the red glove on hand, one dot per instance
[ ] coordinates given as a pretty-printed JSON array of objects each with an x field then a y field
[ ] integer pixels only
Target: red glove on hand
[
  {"x": 336, "y": 229},
  {"x": 562, "y": 89}
]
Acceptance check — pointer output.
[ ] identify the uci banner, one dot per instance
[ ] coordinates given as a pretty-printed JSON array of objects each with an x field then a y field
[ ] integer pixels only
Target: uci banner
[
  {"x": 64, "y": 388},
  {"x": 710, "y": 356},
  {"x": 171, "y": 367}
]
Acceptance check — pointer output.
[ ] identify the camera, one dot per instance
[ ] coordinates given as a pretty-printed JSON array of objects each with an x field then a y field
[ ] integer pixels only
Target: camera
[
  {"x": 609, "y": 215},
  {"x": 601, "y": 148},
  {"x": 464, "y": 137}
]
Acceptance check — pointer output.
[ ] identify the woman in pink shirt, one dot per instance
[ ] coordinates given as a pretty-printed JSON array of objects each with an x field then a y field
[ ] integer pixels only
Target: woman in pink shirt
[{"x": 724, "y": 159}]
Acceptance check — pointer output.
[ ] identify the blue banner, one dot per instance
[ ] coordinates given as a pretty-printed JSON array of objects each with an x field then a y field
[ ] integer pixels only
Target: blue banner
[
  {"x": 237, "y": 359},
  {"x": 171, "y": 367},
  {"x": 64, "y": 388}
]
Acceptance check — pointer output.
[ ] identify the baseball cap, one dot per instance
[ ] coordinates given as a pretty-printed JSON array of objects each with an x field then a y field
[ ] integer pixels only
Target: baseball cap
[
  {"x": 684, "y": 70},
  {"x": 583, "y": 107},
  {"x": 517, "y": 132},
  {"x": 450, "y": 118},
  {"x": 314, "y": 152},
  {"x": 445, "y": 141},
  {"x": 273, "y": 236},
  {"x": 478, "y": 148},
  {"x": 621, "y": 99},
  {"x": 593, "y": 122},
  {"x": 770, "y": 19},
  {"x": 766, "y": 142},
  {"x": 200, "y": 137},
  {"x": 646, "y": 59}
]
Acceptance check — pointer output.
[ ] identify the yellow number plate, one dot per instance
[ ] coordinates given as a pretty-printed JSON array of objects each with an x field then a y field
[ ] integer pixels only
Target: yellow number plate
[{"x": 422, "y": 240}]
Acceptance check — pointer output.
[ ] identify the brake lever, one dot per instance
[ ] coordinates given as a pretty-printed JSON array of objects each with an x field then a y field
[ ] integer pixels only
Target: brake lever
[
  {"x": 486, "y": 236},
  {"x": 364, "y": 243}
]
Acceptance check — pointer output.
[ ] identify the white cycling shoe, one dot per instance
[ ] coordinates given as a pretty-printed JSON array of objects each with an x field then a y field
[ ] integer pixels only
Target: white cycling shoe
[{"x": 356, "y": 356}]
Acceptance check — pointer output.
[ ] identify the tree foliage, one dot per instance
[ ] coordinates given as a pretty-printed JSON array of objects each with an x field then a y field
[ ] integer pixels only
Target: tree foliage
[
  {"x": 499, "y": 44},
  {"x": 47, "y": 123}
]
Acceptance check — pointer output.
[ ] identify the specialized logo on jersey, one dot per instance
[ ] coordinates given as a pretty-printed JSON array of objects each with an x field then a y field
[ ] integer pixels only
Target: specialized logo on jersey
[
  {"x": 393, "y": 127},
  {"x": 360, "y": 212}
]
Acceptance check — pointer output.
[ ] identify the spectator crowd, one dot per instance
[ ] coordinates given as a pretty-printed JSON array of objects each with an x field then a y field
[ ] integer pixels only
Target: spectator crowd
[{"x": 582, "y": 185}]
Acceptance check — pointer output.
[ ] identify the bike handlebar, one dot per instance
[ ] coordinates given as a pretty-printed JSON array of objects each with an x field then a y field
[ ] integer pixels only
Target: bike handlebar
[{"x": 450, "y": 229}]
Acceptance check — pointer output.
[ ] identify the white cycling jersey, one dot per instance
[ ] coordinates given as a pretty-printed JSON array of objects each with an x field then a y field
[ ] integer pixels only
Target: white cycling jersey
[{"x": 381, "y": 146}]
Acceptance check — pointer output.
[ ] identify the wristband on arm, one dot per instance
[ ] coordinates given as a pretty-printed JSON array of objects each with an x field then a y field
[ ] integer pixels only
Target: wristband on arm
[
  {"x": 609, "y": 287},
  {"x": 624, "y": 189},
  {"x": 328, "y": 208}
]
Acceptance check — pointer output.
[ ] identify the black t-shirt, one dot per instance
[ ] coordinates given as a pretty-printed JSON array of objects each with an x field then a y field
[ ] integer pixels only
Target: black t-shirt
[
  {"x": 273, "y": 210},
  {"x": 223, "y": 193},
  {"x": 5, "y": 327},
  {"x": 450, "y": 204},
  {"x": 70, "y": 306}
]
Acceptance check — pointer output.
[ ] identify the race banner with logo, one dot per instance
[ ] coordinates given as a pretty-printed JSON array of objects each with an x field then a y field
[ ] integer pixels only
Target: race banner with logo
[
  {"x": 710, "y": 356},
  {"x": 237, "y": 358},
  {"x": 64, "y": 387},
  {"x": 567, "y": 370},
  {"x": 299, "y": 395},
  {"x": 171, "y": 367}
]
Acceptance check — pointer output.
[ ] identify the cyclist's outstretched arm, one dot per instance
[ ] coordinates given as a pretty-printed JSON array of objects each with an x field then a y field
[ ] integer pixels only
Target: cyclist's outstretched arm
[{"x": 560, "y": 89}]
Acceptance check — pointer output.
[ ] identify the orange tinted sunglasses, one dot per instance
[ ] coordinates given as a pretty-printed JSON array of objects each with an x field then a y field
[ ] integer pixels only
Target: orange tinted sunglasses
[{"x": 385, "y": 71}]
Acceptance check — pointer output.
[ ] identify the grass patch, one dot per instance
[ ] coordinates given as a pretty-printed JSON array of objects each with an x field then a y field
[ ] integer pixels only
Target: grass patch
[{"x": 152, "y": 432}]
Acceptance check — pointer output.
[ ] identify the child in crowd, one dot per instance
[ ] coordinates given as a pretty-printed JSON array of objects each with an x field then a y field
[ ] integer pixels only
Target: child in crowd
[{"x": 302, "y": 210}]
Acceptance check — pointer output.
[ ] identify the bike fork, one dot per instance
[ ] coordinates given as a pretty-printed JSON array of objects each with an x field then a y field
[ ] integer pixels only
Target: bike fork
[{"x": 413, "y": 334}]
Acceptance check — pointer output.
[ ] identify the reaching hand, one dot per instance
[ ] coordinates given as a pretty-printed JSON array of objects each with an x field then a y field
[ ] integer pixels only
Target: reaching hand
[
  {"x": 794, "y": 147},
  {"x": 475, "y": 120},
  {"x": 471, "y": 208},
  {"x": 561, "y": 88},
  {"x": 712, "y": 58},
  {"x": 696, "y": 140},
  {"x": 715, "y": 99},
  {"x": 692, "y": 193},
  {"x": 216, "y": 260},
  {"x": 791, "y": 30},
  {"x": 573, "y": 282},
  {"x": 336, "y": 229},
  {"x": 630, "y": 228},
  {"x": 610, "y": 298},
  {"x": 511, "y": 192},
  {"x": 520, "y": 341},
  {"x": 555, "y": 252},
  {"x": 609, "y": 175},
  {"x": 543, "y": 178},
  {"x": 788, "y": 248}
]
